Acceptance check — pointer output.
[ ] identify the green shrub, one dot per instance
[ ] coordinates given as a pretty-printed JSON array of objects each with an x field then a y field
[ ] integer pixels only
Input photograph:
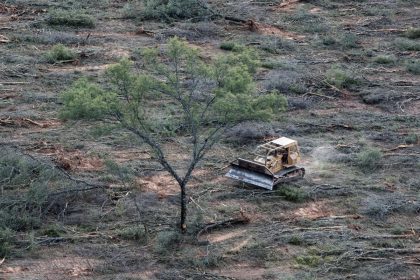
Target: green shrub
[
  {"x": 412, "y": 33},
  {"x": 296, "y": 240},
  {"x": 86, "y": 100},
  {"x": 369, "y": 159},
  {"x": 413, "y": 66},
  {"x": 349, "y": 41},
  {"x": 329, "y": 41},
  {"x": 53, "y": 230},
  {"x": 231, "y": 46},
  {"x": 312, "y": 261},
  {"x": 411, "y": 139},
  {"x": 384, "y": 59},
  {"x": 177, "y": 9},
  {"x": 136, "y": 233},
  {"x": 73, "y": 18},
  {"x": 59, "y": 53},
  {"x": 6, "y": 242},
  {"x": 340, "y": 78},
  {"x": 404, "y": 44},
  {"x": 292, "y": 194}
]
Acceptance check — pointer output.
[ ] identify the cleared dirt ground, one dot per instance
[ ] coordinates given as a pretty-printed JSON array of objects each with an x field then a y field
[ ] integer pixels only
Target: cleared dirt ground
[{"x": 346, "y": 220}]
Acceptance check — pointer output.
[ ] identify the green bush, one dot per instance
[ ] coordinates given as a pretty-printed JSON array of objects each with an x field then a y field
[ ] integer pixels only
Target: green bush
[
  {"x": 292, "y": 194},
  {"x": 136, "y": 233},
  {"x": 53, "y": 230},
  {"x": 329, "y": 41},
  {"x": 384, "y": 59},
  {"x": 312, "y": 261},
  {"x": 349, "y": 41},
  {"x": 6, "y": 242},
  {"x": 340, "y": 78},
  {"x": 177, "y": 9},
  {"x": 411, "y": 139},
  {"x": 231, "y": 46},
  {"x": 413, "y": 66},
  {"x": 86, "y": 100},
  {"x": 297, "y": 240},
  {"x": 369, "y": 159},
  {"x": 73, "y": 18},
  {"x": 59, "y": 53},
  {"x": 404, "y": 44},
  {"x": 412, "y": 33}
]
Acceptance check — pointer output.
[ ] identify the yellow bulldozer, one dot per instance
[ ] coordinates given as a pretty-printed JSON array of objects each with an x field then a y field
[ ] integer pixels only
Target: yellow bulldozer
[{"x": 274, "y": 163}]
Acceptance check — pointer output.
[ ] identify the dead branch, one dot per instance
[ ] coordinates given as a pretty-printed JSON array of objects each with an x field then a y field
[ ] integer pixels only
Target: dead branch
[
  {"x": 343, "y": 92},
  {"x": 142, "y": 31},
  {"x": 313, "y": 229},
  {"x": 90, "y": 185},
  {"x": 243, "y": 220},
  {"x": 318, "y": 94},
  {"x": 401, "y": 154},
  {"x": 14, "y": 83},
  {"x": 34, "y": 122},
  {"x": 4, "y": 39},
  {"x": 391, "y": 236},
  {"x": 402, "y": 146}
]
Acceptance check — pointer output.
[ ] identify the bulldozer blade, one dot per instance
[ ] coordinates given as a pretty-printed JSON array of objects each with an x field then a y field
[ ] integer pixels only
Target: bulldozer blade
[{"x": 250, "y": 177}]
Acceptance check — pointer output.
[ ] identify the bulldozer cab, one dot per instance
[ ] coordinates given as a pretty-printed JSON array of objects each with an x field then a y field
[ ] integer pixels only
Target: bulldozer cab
[{"x": 277, "y": 154}]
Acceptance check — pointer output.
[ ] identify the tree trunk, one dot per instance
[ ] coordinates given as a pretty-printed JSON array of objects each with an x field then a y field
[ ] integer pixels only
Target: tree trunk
[{"x": 183, "y": 223}]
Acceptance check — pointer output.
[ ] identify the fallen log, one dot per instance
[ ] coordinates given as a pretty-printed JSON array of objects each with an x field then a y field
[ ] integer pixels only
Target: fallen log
[{"x": 243, "y": 220}]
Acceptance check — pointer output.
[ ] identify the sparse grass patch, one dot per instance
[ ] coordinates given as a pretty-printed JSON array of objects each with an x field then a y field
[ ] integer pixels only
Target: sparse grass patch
[
  {"x": 305, "y": 21},
  {"x": 167, "y": 241},
  {"x": 73, "y": 18},
  {"x": 275, "y": 44},
  {"x": 341, "y": 78},
  {"x": 369, "y": 159},
  {"x": 413, "y": 66},
  {"x": 412, "y": 33},
  {"x": 59, "y": 53},
  {"x": 405, "y": 44},
  {"x": 210, "y": 260},
  {"x": 277, "y": 64},
  {"x": 261, "y": 252}
]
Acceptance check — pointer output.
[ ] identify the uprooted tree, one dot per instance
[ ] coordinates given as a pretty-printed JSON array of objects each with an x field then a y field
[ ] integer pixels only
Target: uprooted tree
[{"x": 176, "y": 94}]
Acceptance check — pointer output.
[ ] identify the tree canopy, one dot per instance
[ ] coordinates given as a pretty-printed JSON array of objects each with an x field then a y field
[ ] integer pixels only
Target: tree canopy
[{"x": 176, "y": 92}]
